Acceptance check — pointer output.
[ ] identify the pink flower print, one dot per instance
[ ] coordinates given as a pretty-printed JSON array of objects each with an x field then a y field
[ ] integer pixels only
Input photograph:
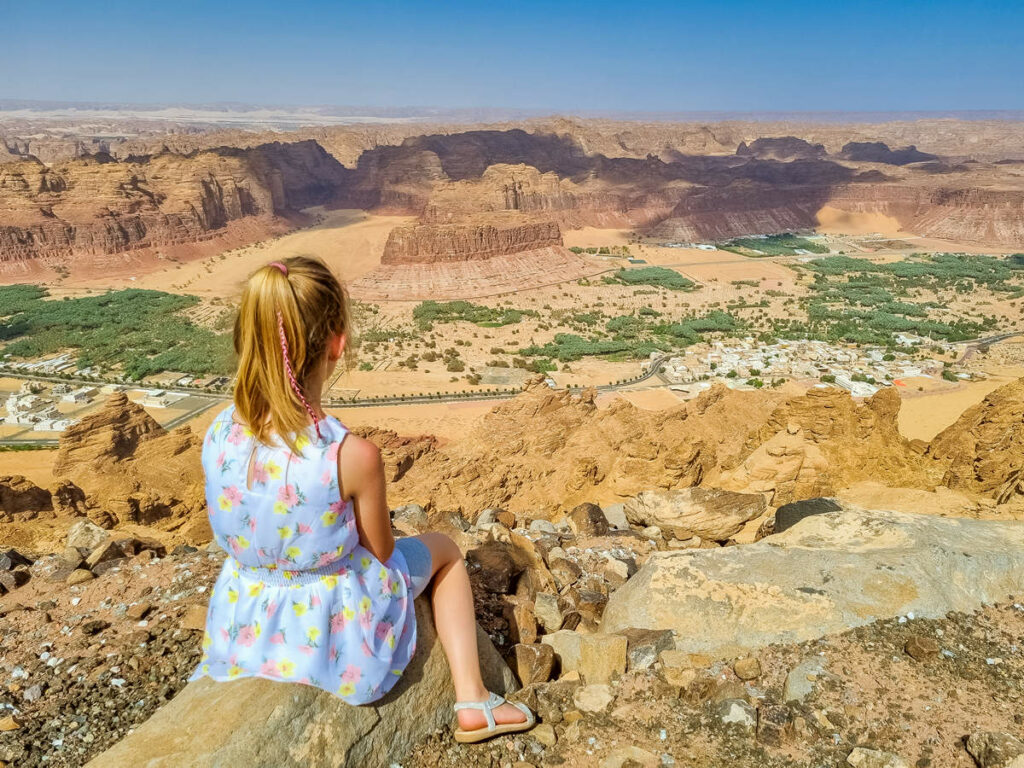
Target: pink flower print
[
  {"x": 332, "y": 451},
  {"x": 252, "y": 524},
  {"x": 314, "y": 601},
  {"x": 269, "y": 667},
  {"x": 365, "y": 620},
  {"x": 246, "y": 637},
  {"x": 306, "y": 649},
  {"x": 333, "y": 653},
  {"x": 304, "y": 528},
  {"x": 271, "y": 610},
  {"x": 325, "y": 559},
  {"x": 304, "y": 681},
  {"x": 352, "y": 674},
  {"x": 277, "y": 638},
  {"x": 337, "y": 507},
  {"x": 338, "y": 622},
  {"x": 233, "y": 494},
  {"x": 237, "y": 434},
  {"x": 367, "y": 650},
  {"x": 325, "y": 478},
  {"x": 224, "y": 635},
  {"x": 382, "y": 630},
  {"x": 220, "y": 459},
  {"x": 287, "y": 496},
  {"x": 259, "y": 473},
  {"x": 233, "y": 659}
]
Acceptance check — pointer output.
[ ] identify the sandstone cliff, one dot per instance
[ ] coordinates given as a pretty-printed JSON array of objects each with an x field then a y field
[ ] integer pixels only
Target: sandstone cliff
[{"x": 431, "y": 243}]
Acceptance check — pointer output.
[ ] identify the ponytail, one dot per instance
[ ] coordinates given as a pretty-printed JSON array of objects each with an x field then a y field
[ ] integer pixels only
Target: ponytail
[{"x": 288, "y": 313}]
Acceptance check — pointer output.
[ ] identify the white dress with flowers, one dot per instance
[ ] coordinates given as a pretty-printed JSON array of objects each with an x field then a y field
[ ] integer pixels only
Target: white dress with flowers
[{"x": 298, "y": 598}]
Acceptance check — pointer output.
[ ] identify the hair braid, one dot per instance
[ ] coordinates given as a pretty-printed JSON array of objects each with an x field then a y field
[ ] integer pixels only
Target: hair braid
[{"x": 291, "y": 374}]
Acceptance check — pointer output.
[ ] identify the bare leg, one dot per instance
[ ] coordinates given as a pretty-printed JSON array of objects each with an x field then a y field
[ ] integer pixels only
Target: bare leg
[{"x": 456, "y": 629}]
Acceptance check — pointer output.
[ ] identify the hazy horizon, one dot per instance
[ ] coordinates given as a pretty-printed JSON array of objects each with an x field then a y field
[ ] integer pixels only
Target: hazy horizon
[{"x": 569, "y": 57}]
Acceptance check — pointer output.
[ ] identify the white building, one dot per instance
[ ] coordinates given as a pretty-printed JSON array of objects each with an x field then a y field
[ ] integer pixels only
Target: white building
[{"x": 81, "y": 395}]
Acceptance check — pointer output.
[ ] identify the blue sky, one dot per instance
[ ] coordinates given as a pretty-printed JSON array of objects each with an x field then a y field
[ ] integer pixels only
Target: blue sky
[{"x": 558, "y": 56}]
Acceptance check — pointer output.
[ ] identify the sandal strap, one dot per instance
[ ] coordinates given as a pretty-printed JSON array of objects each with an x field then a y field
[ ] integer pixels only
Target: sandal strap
[{"x": 487, "y": 707}]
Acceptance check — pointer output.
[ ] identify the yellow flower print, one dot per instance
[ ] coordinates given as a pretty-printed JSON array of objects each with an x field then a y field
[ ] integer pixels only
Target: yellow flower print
[
  {"x": 243, "y": 543},
  {"x": 329, "y": 518},
  {"x": 313, "y": 633},
  {"x": 299, "y": 608},
  {"x": 256, "y": 629},
  {"x": 364, "y": 605},
  {"x": 391, "y": 640},
  {"x": 224, "y": 503},
  {"x": 330, "y": 581},
  {"x": 273, "y": 469},
  {"x": 234, "y": 671},
  {"x": 207, "y": 640},
  {"x": 301, "y": 442},
  {"x": 280, "y": 508},
  {"x": 346, "y": 689},
  {"x": 348, "y": 613},
  {"x": 383, "y": 574},
  {"x": 247, "y": 432},
  {"x": 287, "y": 668},
  {"x": 206, "y": 669},
  {"x": 232, "y": 595},
  {"x": 255, "y": 589},
  {"x": 364, "y": 562},
  {"x": 285, "y": 532},
  {"x": 293, "y": 552}
]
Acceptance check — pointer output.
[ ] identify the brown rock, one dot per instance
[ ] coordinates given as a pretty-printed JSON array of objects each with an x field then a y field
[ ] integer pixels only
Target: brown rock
[
  {"x": 80, "y": 576},
  {"x": 644, "y": 645},
  {"x": 588, "y": 519},
  {"x": 94, "y": 626},
  {"x": 709, "y": 513},
  {"x": 138, "y": 611},
  {"x": 194, "y": 618},
  {"x": 494, "y": 566},
  {"x": 433, "y": 243},
  {"x": 22, "y": 500},
  {"x": 921, "y": 648},
  {"x": 748, "y": 668},
  {"x": 774, "y": 725},
  {"x": 11, "y": 580},
  {"x": 108, "y": 565},
  {"x": 565, "y": 572},
  {"x": 85, "y": 534},
  {"x": 602, "y": 657},
  {"x": 534, "y": 663},
  {"x": 521, "y": 621},
  {"x": 10, "y": 723},
  {"x": 106, "y": 551}
]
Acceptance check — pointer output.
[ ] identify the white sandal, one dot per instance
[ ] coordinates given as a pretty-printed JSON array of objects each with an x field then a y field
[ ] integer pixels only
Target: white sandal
[{"x": 492, "y": 729}]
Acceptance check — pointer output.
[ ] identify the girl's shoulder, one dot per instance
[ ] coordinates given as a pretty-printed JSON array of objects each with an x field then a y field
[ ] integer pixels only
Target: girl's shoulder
[{"x": 220, "y": 425}]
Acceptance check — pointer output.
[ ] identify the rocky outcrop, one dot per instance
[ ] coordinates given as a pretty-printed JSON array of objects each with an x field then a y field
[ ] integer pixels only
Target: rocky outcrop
[
  {"x": 781, "y": 148},
  {"x": 983, "y": 451},
  {"x": 129, "y": 467},
  {"x": 259, "y": 722},
  {"x": 95, "y": 206},
  {"x": 709, "y": 513},
  {"x": 826, "y": 574},
  {"x": 433, "y": 243},
  {"x": 879, "y": 152},
  {"x": 21, "y": 499},
  {"x": 815, "y": 444}
]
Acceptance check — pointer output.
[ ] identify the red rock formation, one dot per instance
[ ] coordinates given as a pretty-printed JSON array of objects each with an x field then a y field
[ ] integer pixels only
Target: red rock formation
[{"x": 432, "y": 243}]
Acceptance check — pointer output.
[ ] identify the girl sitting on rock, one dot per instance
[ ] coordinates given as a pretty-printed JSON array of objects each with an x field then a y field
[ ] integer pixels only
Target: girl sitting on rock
[{"x": 316, "y": 589}]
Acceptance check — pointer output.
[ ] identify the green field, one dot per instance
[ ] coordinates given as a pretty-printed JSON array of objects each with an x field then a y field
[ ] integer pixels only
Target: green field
[
  {"x": 136, "y": 332},
  {"x": 785, "y": 244}
]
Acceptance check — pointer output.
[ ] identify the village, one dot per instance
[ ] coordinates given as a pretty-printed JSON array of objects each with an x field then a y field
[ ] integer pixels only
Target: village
[{"x": 747, "y": 362}]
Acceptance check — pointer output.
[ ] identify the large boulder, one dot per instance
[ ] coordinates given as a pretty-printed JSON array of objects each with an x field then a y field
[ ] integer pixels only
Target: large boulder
[
  {"x": 266, "y": 724},
  {"x": 826, "y": 574},
  {"x": 706, "y": 512}
]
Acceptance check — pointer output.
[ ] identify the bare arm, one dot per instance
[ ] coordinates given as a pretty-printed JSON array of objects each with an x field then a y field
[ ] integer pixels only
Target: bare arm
[{"x": 361, "y": 477}]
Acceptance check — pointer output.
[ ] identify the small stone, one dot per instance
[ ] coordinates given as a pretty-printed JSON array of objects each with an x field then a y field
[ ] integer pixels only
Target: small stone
[
  {"x": 644, "y": 645},
  {"x": 10, "y": 723},
  {"x": 630, "y": 757},
  {"x": 11, "y": 580},
  {"x": 774, "y": 725},
  {"x": 737, "y": 712},
  {"x": 652, "y": 532},
  {"x": 615, "y": 514},
  {"x": 108, "y": 565},
  {"x": 602, "y": 657},
  {"x": 71, "y": 558},
  {"x": 105, "y": 552},
  {"x": 545, "y": 734},
  {"x": 94, "y": 626},
  {"x": 545, "y": 608},
  {"x": 800, "y": 680},
  {"x": 565, "y": 572},
  {"x": 921, "y": 648},
  {"x": 861, "y": 757},
  {"x": 79, "y": 576},
  {"x": 678, "y": 678},
  {"x": 566, "y": 645},
  {"x": 412, "y": 517},
  {"x": 138, "y": 611},
  {"x": 593, "y": 698},
  {"x": 587, "y": 519},
  {"x": 542, "y": 526},
  {"x": 728, "y": 689},
  {"x": 86, "y": 534},
  {"x": 493, "y": 566},
  {"x": 194, "y": 618},
  {"x": 748, "y": 668},
  {"x": 11, "y": 559},
  {"x": 534, "y": 663}
]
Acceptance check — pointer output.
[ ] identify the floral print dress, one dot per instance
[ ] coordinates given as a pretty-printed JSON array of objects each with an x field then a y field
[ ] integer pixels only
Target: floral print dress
[{"x": 298, "y": 599}]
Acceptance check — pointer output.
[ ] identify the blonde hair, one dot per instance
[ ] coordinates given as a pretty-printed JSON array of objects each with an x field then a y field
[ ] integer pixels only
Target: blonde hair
[{"x": 289, "y": 311}]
